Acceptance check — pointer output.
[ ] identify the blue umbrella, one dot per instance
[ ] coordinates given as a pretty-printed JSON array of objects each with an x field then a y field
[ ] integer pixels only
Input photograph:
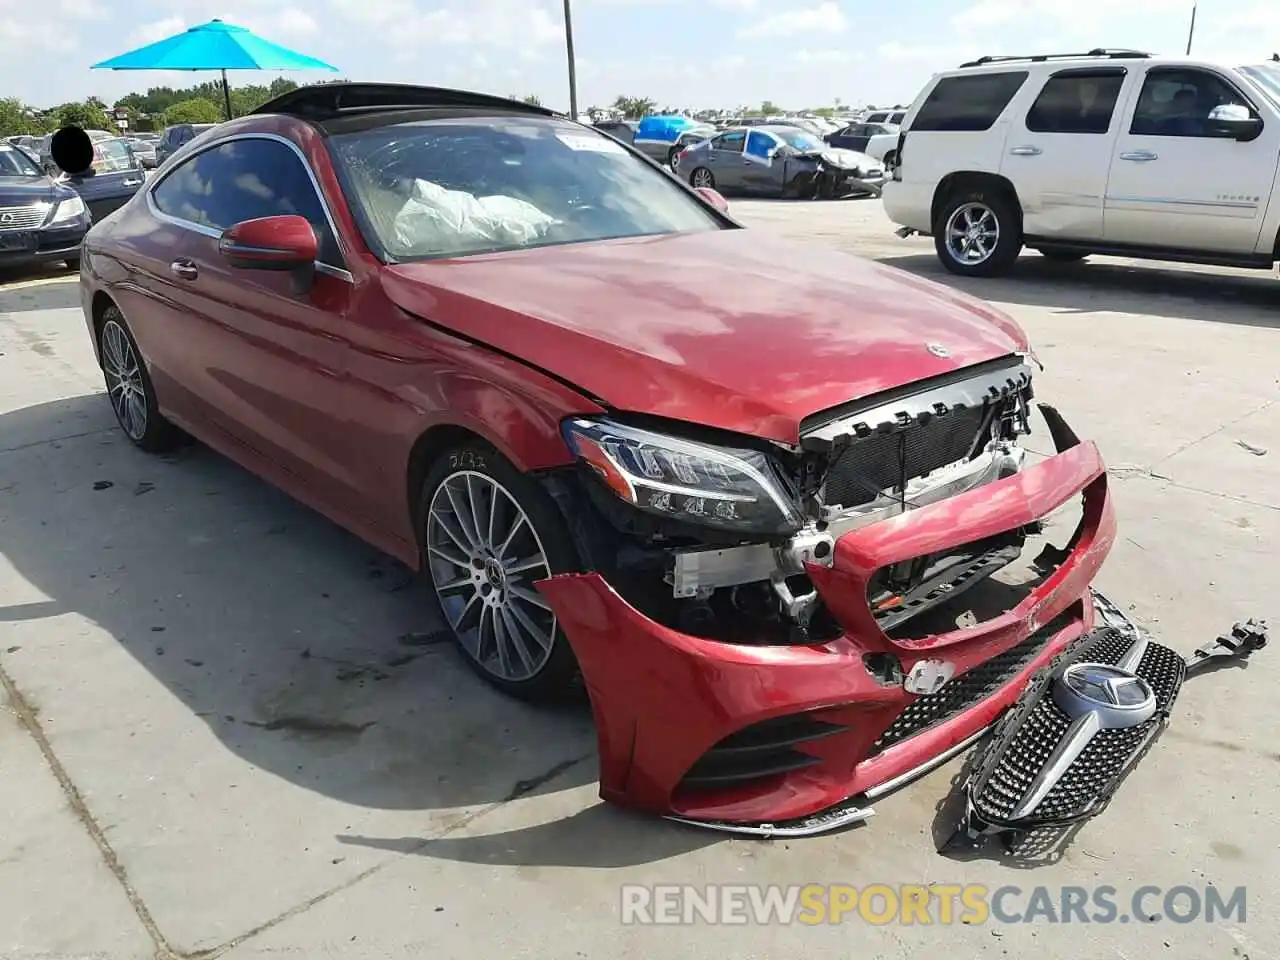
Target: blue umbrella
[{"x": 214, "y": 46}]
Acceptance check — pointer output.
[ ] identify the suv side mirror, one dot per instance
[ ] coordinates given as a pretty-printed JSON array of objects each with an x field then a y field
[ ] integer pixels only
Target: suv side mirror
[{"x": 1234, "y": 120}]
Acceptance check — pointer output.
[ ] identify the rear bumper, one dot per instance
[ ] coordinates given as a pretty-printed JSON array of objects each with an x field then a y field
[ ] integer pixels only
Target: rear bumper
[{"x": 664, "y": 701}]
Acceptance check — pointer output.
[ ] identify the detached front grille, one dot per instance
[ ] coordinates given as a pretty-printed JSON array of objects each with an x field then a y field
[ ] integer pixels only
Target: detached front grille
[
  {"x": 971, "y": 688},
  {"x": 1087, "y": 782},
  {"x": 888, "y": 459},
  {"x": 761, "y": 750},
  {"x": 23, "y": 218}
]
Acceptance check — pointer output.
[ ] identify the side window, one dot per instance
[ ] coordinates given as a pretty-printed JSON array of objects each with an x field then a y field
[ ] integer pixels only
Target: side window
[
  {"x": 1076, "y": 102},
  {"x": 732, "y": 142},
  {"x": 898, "y": 117},
  {"x": 243, "y": 180},
  {"x": 971, "y": 103},
  {"x": 759, "y": 144},
  {"x": 1177, "y": 103},
  {"x": 111, "y": 156}
]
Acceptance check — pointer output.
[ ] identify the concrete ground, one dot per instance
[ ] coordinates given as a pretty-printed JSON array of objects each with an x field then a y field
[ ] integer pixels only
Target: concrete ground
[{"x": 219, "y": 737}]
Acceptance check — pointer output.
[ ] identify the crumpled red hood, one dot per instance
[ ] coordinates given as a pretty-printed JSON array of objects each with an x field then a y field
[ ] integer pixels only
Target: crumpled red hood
[{"x": 736, "y": 329}]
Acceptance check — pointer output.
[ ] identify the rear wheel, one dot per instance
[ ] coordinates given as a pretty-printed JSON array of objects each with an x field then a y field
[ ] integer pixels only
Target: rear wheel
[
  {"x": 129, "y": 387},
  {"x": 489, "y": 533},
  {"x": 673, "y": 157},
  {"x": 702, "y": 177},
  {"x": 978, "y": 233}
]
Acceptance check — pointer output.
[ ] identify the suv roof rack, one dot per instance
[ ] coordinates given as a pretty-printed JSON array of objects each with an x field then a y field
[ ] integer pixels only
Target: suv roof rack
[
  {"x": 328, "y": 100},
  {"x": 1097, "y": 53}
]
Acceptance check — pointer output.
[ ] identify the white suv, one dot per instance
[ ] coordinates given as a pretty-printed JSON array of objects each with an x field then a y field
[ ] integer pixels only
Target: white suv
[{"x": 1112, "y": 151}]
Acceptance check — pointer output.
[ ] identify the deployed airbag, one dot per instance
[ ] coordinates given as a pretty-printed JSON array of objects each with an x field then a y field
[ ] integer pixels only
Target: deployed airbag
[{"x": 437, "y": 220}]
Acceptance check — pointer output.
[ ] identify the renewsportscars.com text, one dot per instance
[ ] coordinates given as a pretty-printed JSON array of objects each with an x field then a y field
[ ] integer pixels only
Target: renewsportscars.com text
[{"x": 935, "y": 904}]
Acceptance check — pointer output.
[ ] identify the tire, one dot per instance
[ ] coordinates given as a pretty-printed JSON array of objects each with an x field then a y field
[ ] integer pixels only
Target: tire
[
  {"x": 129, "y": 388},
  {"x": 672, "y": 157},
  {"x": 981, "y": 209},
  {"x": 477, "y": 594},
  {"x": 72, "y": 263},
  {"x": 702, "y": 177},
  {"x": 1063, "y": 256}
]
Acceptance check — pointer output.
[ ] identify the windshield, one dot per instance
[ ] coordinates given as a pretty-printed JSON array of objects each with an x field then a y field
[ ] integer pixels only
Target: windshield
[
  {"x": 1266, "y": 77},
  {"x": 443, "y": 188},
  {"x": 15, "y": 163},
  {"x": 802, "y": 141}
]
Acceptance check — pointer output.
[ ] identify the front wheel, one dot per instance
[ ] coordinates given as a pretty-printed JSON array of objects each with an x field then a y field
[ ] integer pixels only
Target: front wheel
[
  {"x": 489, "y": 533},
  {"x": 977, "y": 234},
  {"x": 702, "y": 177}
]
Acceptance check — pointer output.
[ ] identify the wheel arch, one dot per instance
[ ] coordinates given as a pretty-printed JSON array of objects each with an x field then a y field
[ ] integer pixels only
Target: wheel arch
[
  {"x": 952, "y": 183},
  {"x": 98, "y": 307}
]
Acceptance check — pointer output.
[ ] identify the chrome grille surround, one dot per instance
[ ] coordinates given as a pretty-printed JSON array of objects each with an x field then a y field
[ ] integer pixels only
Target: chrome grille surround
[{"x": 26, "y": 217}]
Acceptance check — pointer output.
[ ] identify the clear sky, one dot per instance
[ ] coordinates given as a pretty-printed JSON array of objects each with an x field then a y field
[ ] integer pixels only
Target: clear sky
[{"x": 798, "y": 53}]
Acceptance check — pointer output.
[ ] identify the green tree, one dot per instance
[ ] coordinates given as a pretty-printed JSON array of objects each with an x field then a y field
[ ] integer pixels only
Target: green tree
[
  {"x": 17, "y": 118},
  {"x": 88, "y": 115},
  {"x": 195, "y": 110},
  {"x": 635, "y": 107}
]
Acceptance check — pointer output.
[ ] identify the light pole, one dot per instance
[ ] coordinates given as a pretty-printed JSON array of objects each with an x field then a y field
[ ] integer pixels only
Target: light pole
[
  {"x": 573, "y": 73},
  {"x": 1190, "y": 33}
]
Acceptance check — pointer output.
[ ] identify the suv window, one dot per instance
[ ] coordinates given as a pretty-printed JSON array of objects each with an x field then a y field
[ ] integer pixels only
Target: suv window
[
  {"x": 243, "y": 180},
  {"x": 1076, "y": 102},
  {"x": 111, "y": 156},
  {"x": 733, "y": 141},
  {"x": 972, "y": 102},
  {"x": 1176, "y": 103}
]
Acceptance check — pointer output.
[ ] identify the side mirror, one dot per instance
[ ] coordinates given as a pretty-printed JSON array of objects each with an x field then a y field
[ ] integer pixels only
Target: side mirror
[
  {"x": 1234, "y": 120},
  {"x": 285, "y": 243},
  {"x": 713, "y": 197}
]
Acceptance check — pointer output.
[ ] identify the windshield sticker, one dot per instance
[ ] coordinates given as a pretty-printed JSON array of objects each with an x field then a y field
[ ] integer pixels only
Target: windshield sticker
[{"x": 591, "y": 143}]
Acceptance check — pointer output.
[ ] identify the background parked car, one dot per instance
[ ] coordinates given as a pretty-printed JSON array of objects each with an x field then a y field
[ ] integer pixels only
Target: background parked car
[
  {"x": 779, "y": 160},
  {"x": 877, "y": 140},
  {"x": 114, "y": 175},
  {"x": 145, "y": 150},
  {"x": 690, "y": 137},
  {"x": 658, "y": 137},
  {"x": 894, "y": 117},
  {"x": 41, "y": 220},
  {"x": 177, "y": 135},
  {"x": 624, "y": 130}
]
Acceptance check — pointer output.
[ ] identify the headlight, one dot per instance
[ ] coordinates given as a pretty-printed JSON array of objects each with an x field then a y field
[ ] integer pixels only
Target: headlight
[
  {"x": 732, "y": 489},
  {"x": 69, "y": 209}
]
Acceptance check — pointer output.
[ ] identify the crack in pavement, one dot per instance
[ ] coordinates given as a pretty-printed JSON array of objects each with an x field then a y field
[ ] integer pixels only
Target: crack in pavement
[
  {"x": 521, "y": 788},
  {"x": 1129, "y": 472},
  {"x": 70, "y": 436},
  {"x": 26, "y": 715},
  {"x": 1212, "y": 433}
]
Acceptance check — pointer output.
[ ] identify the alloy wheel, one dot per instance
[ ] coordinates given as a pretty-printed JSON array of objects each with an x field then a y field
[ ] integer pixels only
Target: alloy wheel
[
  {"x": 125, "y": 386},
  {"x": 972, "y": 233},
  {"x": 702, "y": 178},
  {"x": 484, "y": 557}
]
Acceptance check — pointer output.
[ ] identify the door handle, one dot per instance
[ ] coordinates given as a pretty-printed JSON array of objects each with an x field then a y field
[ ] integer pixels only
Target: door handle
[
  {"x": 184, "y": 269},
  {"x": 132, "y": 183},
  {"x": 1025, "y": 151},
  {"x": 1141, "y": 156}
]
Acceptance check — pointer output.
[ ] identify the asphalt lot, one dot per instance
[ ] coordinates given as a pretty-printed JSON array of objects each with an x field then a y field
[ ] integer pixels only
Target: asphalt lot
[{"x": 218, "y": 736}]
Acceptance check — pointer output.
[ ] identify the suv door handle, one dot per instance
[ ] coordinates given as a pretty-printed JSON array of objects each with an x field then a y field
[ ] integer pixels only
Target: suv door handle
[
  {"x": 184, "y": 269},
  {"x": 1140, "y": 156},
  {"x": 1025, "y": 151}
]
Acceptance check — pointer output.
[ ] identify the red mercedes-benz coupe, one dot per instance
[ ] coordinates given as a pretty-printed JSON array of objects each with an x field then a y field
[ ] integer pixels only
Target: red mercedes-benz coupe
[{"x": 744, "y": 489}]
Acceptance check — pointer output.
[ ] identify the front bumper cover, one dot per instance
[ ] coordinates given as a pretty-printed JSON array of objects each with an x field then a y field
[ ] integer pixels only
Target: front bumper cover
[{"x": 664, "y": 700}]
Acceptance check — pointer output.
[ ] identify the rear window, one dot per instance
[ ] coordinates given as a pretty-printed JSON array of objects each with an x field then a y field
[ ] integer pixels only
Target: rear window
[{"x": 968, "y": 102}]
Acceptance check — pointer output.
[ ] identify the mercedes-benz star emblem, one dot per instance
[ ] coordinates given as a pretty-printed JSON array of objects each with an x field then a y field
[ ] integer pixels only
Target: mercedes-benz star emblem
[
  {"x": 1116, "y": 696},
  {"x": 938, "y": 350}
]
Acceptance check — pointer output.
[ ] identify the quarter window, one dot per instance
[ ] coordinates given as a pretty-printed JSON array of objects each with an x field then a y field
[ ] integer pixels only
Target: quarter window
[
  {"x": 243, "y": 180},
  {"x": 1076, "y": 103},
  {"x": 968, "y": 103},
  {"x": 1177, "y": 103}
]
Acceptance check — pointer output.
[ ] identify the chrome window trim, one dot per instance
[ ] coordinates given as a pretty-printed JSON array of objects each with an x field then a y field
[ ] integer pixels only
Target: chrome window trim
[{"x": 334, "y": 271}]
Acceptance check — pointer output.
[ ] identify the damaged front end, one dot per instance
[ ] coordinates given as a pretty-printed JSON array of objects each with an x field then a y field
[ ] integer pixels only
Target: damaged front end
[{"x": 771, "y": 634}]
